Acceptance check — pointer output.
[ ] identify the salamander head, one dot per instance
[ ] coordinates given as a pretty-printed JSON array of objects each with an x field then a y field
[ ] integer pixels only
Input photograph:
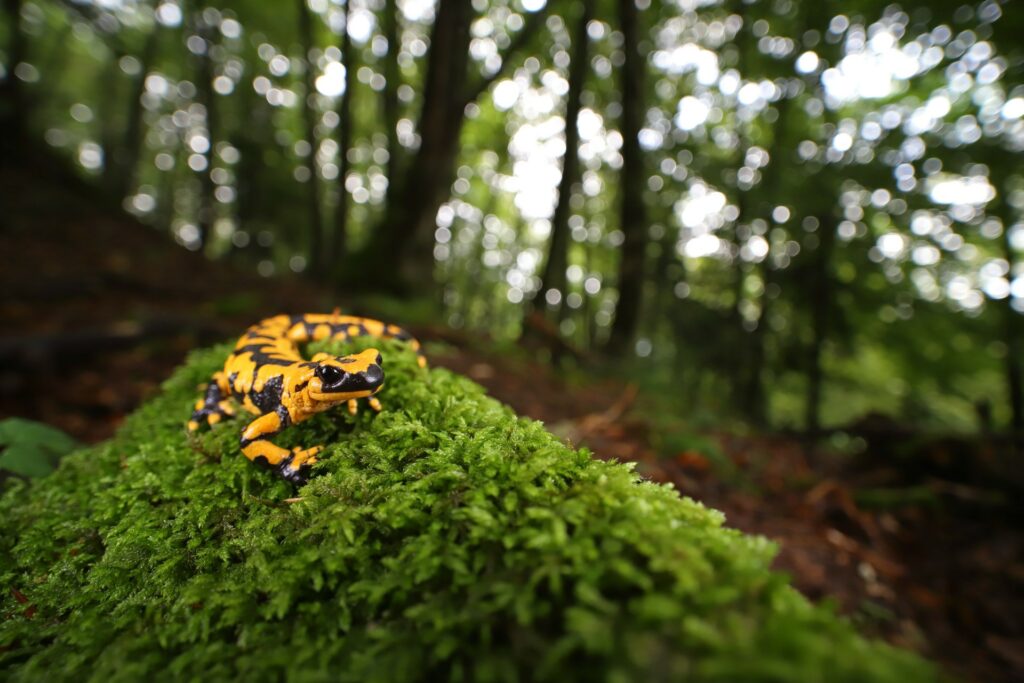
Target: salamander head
[{"x": 340, "y": 378}]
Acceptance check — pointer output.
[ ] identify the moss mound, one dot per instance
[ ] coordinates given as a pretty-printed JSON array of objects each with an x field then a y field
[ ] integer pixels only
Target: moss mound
[{"x": 446, "y": 539}]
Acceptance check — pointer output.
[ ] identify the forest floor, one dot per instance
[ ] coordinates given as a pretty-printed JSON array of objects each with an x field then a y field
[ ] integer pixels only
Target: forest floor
[{"x": 97, "y": 309}]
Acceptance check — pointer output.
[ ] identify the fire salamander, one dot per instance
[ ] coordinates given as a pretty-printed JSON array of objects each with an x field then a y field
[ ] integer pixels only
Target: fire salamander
[{"x": 268, "y": 376}]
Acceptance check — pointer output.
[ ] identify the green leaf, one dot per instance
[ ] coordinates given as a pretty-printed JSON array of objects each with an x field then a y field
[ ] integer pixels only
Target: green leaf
[{"x": 32, "y": 449}]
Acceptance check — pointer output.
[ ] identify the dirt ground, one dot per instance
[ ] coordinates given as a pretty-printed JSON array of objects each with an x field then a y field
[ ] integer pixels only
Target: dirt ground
[{"x": 95, "y": 311}]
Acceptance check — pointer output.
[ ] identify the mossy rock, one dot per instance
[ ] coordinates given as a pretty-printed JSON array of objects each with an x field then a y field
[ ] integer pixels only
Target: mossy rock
[{"x": 445, "y": 539}]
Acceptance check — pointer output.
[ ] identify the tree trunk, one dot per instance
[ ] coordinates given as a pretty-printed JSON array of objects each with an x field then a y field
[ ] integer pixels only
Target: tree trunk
[
  {"x": 317, "y": 258},
  {"x": 753, "y": 399},
  {"x": 753, "y": 395},
  {"x": 128, "y": 160},
  {"x": 12, "y": 93},
  {"x": 403, "y": 241},
  {"x": 109, "y": 80},
  {"x": 821, "y": 309},
  {"x": 553, "y": 274},
  {"x": 631, "y": 183},
  {"x": 1014, "y": 341},
  {"x": 339, "y": 247},
  {"x": 400, "y": 252},
  {"x": 205, "y": 94},
  {"x": 393, "y": 79},
  {"x": 739, "y": 333}
]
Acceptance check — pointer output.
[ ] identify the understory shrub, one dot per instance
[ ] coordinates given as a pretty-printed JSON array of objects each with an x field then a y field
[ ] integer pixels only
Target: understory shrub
[{"x": 444, "y": 539}]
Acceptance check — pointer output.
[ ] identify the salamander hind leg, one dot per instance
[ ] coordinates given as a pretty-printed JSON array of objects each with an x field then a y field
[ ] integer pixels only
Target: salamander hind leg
[
  {"x": 292, "y": 465},
  {"x": 213, "y": 407}
]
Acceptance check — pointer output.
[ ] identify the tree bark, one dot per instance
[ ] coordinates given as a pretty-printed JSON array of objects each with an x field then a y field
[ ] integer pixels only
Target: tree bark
[
  {"x": 1013, "y": 322},
  {"x": 753, "y": 394},
  {"x": 107, "y": 109},
  {"x": 553, "y": 274},
  {"x": 631, "y": 182},
  {"x": 1014, "y": 354},
  {"x": 317, "y": 258},
  {"x": 404, "y": 240},
  {"x": 393, "y": 79},
  {"x": 12, "y": 94},
  {"x": 339, "y": 247},
  {"x": 204, "y": 90},
  {"x": 128, "y": 159},
  {"x": 821, "y": 309},
  {"x": 753, "y": 400}
]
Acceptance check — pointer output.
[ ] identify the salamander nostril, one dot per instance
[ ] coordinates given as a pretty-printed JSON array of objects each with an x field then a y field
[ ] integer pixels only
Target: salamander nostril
[{"x": 374, "y": 375}]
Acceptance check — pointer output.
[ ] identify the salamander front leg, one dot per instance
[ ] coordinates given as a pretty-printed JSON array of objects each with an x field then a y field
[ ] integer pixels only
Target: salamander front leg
[
  {"x": 213, "y": 407},
  {"x": 292, "y": 465},
  {"x": 372, "y": 401}
]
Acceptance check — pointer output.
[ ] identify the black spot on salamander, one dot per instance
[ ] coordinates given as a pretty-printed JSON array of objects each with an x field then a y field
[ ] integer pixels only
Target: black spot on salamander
[
  {"x": 284, "y": 416},
  {"x": 232, "y": 379},
  {"x": 339, "y": 331},
  {"x": 269, "y": 398},
  {"x": 261, "y": 355}
]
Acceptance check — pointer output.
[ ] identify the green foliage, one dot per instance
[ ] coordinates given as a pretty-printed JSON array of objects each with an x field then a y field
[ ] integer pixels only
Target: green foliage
[
  {"x": 889, "y": 498},
  {"x": 811, "y": 176},
  {"x": 31, "y": 449},
  {"x": 445, "y": 539}
]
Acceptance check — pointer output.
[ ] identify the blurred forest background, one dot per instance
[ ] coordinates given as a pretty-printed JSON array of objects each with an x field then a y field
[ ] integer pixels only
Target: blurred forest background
[
  {"x": 794, "y": 213},
  {"x": 771, "y": 250}
]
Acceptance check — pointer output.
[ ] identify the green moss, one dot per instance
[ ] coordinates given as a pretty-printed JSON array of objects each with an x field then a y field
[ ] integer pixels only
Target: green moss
[{"x": 445, "y": 539}]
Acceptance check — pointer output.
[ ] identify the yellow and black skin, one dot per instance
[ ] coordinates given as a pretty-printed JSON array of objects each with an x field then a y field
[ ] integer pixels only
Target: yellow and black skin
[{"x": 268, "y": 376}]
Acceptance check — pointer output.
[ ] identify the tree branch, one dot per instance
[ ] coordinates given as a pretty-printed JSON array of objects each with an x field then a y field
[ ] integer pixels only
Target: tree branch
[{"x": 482, "y": 84}]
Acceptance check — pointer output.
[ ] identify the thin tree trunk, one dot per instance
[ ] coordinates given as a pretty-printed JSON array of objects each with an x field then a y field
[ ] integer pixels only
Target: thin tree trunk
[
  {"x": 821, "y": 309},
  {"x": 1012, "y": 327},
  {"x": 109, "y": 81},
  {"x": 204, "y": 90},
  {"x": 753, "y": 404},
  {"x": 739, "y": 337},
  {"x": 474, "y": 274},
  {"x": 1014, "y": 370},
  {"x": 12, "y": 93},
  {"x": 348, "y": 57},
  {"x": 249, "y": 170},
  {"x": 393, "y": 79},
  {"x": 663, "y": 288},
  {"x": 747, "y": 378},
  {"x": 553, "y": 274},
  {"x": 317, "y": 257},
  {"x": 132, "y": 146},
  {"x": 753, "y": 394},
  {"x": 631, "y": 182}
]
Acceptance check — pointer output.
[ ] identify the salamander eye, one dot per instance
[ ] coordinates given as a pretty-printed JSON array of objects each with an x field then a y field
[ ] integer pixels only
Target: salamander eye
[
  {"x": 380, "y": 359},
  {"x": 328, "y": 374}
]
